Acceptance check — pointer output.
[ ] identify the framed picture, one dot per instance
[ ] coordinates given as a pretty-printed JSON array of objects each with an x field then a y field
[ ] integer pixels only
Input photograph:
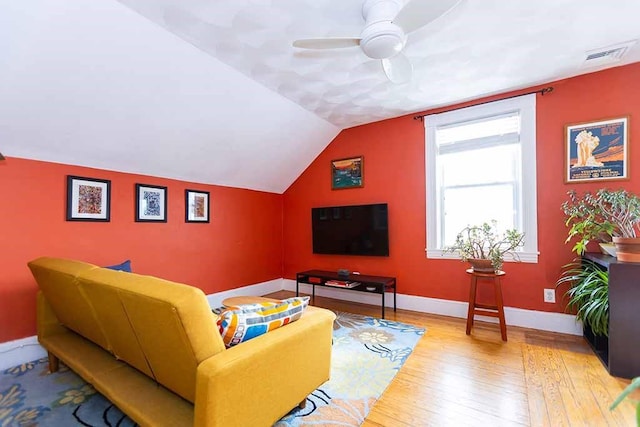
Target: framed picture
[
  {"x": 197, "y": 206},
  {"x": 347, "y": 173},
  {"x": 151, "y": 203},
  {"x": 88, "y": 199},
  {"x": 597, "y": 151}
]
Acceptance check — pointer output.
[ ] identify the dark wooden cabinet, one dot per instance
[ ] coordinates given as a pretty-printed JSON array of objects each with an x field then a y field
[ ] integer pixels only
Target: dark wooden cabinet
[{"x": 620, "y": 353}]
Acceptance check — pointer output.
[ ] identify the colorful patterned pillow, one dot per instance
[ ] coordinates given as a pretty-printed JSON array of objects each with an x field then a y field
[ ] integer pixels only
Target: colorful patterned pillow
[{"x": 239, "y": 324}]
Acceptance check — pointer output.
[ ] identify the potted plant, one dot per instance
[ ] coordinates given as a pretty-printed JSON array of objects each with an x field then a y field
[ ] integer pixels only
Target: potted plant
[
  {"x": 606, "y": 214},
  {"x": 485, "y": 247},
  {"x": 588, "y": 294}
]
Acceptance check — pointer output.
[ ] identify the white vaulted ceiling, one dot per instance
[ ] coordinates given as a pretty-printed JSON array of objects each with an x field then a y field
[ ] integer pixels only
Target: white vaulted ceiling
[{"x": 213, "y": 92}]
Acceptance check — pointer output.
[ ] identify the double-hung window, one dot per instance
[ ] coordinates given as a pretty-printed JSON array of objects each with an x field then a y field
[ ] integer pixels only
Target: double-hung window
[{"x": 481, "y": 166}]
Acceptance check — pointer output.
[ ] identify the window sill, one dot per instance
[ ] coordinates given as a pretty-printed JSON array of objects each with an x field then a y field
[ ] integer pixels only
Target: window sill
[{"x": 529, "y": 257}]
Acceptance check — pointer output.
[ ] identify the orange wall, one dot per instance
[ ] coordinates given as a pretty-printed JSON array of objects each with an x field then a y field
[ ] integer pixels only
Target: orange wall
[
  {"x": 394, "y": 173},
  {"x": 241, "y": 245}
]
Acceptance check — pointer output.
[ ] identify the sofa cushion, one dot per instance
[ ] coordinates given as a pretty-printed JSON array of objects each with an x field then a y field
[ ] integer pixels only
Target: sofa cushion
[
  {"x": 239, "y": 324},
  {"x": 124, "y": 266},
  {"x": 57, "y": 280},
  {"x": 160, "y": 327}
]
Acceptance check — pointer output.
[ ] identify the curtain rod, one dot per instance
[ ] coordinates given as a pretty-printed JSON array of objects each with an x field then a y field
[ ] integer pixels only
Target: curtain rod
[{"x": 547, "y": 89}]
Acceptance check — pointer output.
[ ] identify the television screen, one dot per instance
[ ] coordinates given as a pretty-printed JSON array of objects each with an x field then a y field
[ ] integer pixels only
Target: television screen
[{"x": 351, "y": 230}]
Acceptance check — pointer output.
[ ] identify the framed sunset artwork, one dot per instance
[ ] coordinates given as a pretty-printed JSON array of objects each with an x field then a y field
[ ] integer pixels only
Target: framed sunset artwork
[{"x": 347, "y": 173}]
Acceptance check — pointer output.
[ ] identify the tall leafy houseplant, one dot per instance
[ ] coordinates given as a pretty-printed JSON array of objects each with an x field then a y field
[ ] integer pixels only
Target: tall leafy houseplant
[
  {"x": 486, "y": 242},
  {"x": 588, "y": 293},
  {"x": 601, "y": 216}
]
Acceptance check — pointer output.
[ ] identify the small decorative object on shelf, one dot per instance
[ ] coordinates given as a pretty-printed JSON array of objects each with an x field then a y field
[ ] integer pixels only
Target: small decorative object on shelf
[
  {"x": 608, "y": 248},
  {"x": 343, "y": 272},
  {"x": 484, "y": 247},
  {"x": 341, "y": 283}
]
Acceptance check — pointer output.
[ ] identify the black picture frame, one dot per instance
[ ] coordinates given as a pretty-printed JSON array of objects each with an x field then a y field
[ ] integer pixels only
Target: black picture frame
[
  {"x": 151, "y": 203},
  {"x": 88, "y": 199},
  {"x": 197, "y": 206}
]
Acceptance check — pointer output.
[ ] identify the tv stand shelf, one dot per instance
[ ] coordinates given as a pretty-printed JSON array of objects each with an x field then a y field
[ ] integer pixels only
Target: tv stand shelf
[{"x": 377, "y": 284}]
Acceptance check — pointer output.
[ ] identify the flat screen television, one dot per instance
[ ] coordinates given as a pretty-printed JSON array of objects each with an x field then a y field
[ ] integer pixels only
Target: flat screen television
[{"x": 351, "y": 230}]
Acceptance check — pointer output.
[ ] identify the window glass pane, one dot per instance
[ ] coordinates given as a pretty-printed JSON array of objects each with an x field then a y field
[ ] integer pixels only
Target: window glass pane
[
  {"x": 494, "y": 164},
  {"x": 481, "y": 165},
  {"x": 500, "y": 125},
  {"x": 475, "y": 205}
]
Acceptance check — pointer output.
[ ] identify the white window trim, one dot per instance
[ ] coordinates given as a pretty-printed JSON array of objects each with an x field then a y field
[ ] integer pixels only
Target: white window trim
[{"x": 526, "y": 104}]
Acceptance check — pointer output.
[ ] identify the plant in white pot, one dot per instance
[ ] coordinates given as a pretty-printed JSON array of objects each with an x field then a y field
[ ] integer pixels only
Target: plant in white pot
[
  {"x": 484, "y": 247},
  {"x": 614, "y": 213}
]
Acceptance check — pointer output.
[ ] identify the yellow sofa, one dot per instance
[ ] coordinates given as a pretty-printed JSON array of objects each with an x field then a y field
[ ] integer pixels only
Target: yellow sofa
[{"x": 151, "y": 346}]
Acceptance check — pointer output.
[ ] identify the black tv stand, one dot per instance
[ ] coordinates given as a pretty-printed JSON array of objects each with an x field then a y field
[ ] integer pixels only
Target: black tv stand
[{"x": 369, "y": 284}]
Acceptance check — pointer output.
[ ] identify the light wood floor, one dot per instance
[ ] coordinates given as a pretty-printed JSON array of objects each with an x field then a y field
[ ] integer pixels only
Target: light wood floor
[{"x": 451, "y": 379}]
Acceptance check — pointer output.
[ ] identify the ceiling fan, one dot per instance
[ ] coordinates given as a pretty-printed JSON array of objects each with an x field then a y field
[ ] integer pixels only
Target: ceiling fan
[{"x": 387, "y": 25}]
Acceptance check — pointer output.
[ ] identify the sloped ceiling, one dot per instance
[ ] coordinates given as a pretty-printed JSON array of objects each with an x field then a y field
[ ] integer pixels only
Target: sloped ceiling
[
  {"x": 93, "y": 83},
  {"x": 212, "y": 91}
]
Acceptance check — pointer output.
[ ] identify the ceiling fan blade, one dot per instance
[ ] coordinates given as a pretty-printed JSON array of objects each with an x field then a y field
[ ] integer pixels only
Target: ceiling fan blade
[
  {"x": 398, "y": 69},
  {"x": 327, "y": 43},
  {"x": 418, "y": 13}
]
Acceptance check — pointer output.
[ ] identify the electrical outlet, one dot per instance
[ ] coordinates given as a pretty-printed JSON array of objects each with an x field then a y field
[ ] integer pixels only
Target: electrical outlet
[{"x": 550, "y": 295}]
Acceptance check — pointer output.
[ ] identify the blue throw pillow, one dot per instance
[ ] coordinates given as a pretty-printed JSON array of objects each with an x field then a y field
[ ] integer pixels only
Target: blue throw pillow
[{"x": 125, "y": 266}]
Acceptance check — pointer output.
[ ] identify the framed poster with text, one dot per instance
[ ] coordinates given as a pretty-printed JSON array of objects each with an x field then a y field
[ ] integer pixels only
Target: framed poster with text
[{"x": 597, "y": 151}]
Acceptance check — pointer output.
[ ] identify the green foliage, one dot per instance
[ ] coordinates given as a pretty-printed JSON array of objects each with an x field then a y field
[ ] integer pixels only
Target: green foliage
[
  {"x": 600, "y": 216},
  {"x": 588, "y": 293},
  {"x": 485, "y": 242},
  {"x": 634, "y": 385}
]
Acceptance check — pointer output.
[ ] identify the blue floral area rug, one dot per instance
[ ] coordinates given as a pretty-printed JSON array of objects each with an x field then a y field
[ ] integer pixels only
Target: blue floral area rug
[{"x": 367, "y": 354}]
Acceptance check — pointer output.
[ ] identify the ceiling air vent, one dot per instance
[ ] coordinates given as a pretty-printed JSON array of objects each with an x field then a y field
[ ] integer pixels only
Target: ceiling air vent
[{"x": 607, "y": 55}]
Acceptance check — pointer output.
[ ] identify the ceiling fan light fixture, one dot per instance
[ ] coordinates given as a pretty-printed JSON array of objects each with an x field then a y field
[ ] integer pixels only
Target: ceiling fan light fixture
[
  {"x": 398, "y": 69},
  {"x": 382, "y": 40},
  {"x": 387, "y": 23}
]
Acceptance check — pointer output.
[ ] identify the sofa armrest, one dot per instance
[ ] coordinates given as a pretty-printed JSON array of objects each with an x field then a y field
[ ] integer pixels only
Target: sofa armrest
[{"x": 259, "y": 381}]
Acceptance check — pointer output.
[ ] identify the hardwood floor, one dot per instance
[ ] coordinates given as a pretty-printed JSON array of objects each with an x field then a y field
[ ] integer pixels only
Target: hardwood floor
[{"x": 451, "y": 379}]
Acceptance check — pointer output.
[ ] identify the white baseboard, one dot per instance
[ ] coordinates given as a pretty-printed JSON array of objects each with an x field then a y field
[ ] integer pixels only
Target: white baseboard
[
  {"x": 541, "y": 320},
  {"x": 14, "y": 353}
]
